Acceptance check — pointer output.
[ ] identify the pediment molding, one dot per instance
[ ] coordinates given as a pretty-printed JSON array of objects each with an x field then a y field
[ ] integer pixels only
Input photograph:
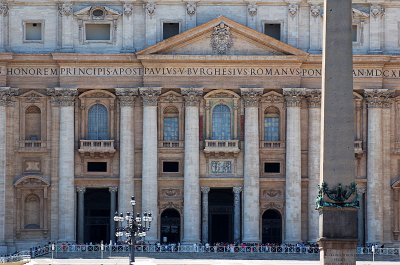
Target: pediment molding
[{"x": 94, "y": 13}]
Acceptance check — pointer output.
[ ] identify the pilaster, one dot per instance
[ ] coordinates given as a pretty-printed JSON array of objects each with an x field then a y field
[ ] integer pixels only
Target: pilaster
[
  {"x": 151, "y": 22},
  {"x": 191, "y": 14},
  {"x": 81, "y": 214},
  {"x": 113, "y": 195},
  {"x": 3, "y": 24},
  {"x": 252, "y": 15},
  {"x": 376, "y": 28},
  {"x": 236, "y": 213},
  {"x": 315, "y": 28},
  {"x": 127, "y": 27},
  {"x": 204, "y": 217},
  {"x": 65, "y": 11},
  {"x": 293, "y": 23}
]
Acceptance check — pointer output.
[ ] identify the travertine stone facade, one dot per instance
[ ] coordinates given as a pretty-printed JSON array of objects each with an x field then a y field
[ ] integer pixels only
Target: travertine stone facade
[{"x": 218, "y": 121}]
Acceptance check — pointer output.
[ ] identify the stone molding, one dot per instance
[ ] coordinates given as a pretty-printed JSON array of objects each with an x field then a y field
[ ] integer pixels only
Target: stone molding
[
  {"x": 293, "y": 96},
  {"x": 378, "y": 98},
  {"x": 150, "y": 95},
  {"x": 191, "y": 8},
  {"x": 62, "y": 96},
  {"x": 292, "y": 9},
  {"x": 128, "y": 9},
  {"x": 252, "y": 9},
  {"x": 126, "y": 96},
  {"x": 377, "y": 11},
  {"x": 150, "y": 8},
  {"x": 315, "y": 11},
  {"x": 251, "y": 96},
  {"x": 7, "y": 94},
  {"x": 113, "y": 189},
  {"x": 205, "y": 189},
  {"x": 192, "y": 95},
  {"x": 80, "y": 189},
  {"x": 314, "y": 98},
  {"x": 65, "y": 9},
  {"x": 221, "y": 39},
  {"x": 3, "y": 8}
]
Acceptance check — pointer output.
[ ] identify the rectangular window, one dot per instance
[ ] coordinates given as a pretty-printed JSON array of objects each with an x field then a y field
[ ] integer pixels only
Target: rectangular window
[
  {"x": 170, "y": 167},
  {"x": 33, "y": 31},
  {"x": 171, "y": 130},
  {"x": 272, "y": 167},
  {"x": 170, "y": 29},
  {"x": 354, "y": 33},
  {"x": 96, "y": 166},
  {"x": 273, "y": 30},
  {"x": 271, "y": 129},
  {"x": 98, "y": 32}
]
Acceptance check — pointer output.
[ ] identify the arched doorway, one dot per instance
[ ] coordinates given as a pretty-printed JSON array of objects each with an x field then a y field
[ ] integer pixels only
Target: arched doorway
[
  {"x": 271, "y": 227},
  {"x": 170, "y": 226}
]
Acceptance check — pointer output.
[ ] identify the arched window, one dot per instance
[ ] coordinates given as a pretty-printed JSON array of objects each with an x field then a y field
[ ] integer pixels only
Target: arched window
[
  {"x": 221, "y": 122},
  {"x": 32, "y": 212},
  {"x": 171, "y": 124},
  {"x": 271, "y": 124},
  {"x": 98, "y": 123},
  {"x": 33, "y": 123}
]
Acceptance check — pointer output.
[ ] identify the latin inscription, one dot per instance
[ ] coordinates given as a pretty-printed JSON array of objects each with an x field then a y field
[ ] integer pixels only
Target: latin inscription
[
  {"x": 32, "y": 71},
  {"x": 340, "y": 257}
]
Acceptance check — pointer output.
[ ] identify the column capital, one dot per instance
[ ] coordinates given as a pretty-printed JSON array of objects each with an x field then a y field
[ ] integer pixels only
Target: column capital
[
  {"x": 378, "y": 98},
  {"x": 251, "y": 96},
  {"x": 7, "y": 94},
  {"x": 293, "y": 96},
  {"x": 3, "y": 8},
  {"x": 361, "y": 189},
  {"x": 205, "y": 190},
  {"x": 192, "y": 95},
  {"x": 150, "y": 95},
  {"x": 126, "y": 96},
  {"x": 315, "y": 10},
  {"x": 81, "y": 189},
  {"x": 237, "y": 190},
  {"x": 314, "y": 98},
  {"x": 65, "y": 9},
  {"x": 377, "y": 10},
  {"x": 113, "y": 189},
  {"x": 62, "y": 96}
]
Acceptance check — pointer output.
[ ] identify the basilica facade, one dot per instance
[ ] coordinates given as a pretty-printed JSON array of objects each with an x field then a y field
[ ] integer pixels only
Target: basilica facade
[{"x": 207, "y": 112}]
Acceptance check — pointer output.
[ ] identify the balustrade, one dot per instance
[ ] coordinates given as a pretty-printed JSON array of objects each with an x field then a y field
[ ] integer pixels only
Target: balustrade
[
  {"x": 224, "y": 146},
  {"x": 96, "y": 146}
]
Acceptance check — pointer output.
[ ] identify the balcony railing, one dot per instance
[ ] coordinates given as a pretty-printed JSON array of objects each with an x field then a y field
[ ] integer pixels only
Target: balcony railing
[
  {"x": 170, "y": 144},
  {"x": 32, "y": 144},
  {"x": 96, "y": 146},
  {"x": 221, "y": 146},
  {"x": 272, "y": 144}
]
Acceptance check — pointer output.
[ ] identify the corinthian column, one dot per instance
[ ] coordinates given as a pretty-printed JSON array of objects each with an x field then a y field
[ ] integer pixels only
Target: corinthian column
[
  {"x": 375, "y": 101},
  {"x": 236, "y": 213},
  {"x": 191, "y": 199},
  {"x": 149, "y": 158},
  {"x": 314, "y": 135},
  {"x": 65, "y": 97},
  {"x": 81, "y": 213},
  {"x": 204, "y": 219},
  {"x": 6, "y": 95},
  {"x": 251, "y": 174},
  {"x": 126, "y": 98},
  {"x": 293, "y": 98}
]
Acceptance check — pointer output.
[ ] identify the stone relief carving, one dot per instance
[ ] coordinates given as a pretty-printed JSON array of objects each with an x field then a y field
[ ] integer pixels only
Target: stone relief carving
[
  {"x": 80, "y": 189},
  {"x": 192, "y": 95},
  {"x": 314, "y": 98},
  {"x": 150, "y": 8},
  {"x": 251, "y": 96},
  {"x": 293, "y": 8},
  {"x": 126, "y": 96},
  {"x": 113, "y": 189},
  {"x": 273, "y": 205},
  {"x": 62, "y": 96},
  {"x": 191, "y": 8},
  {"x": 221, "y": 167},
  {"x": 171, "y": 98},
  {"x": 173, "y": 205},
  {"x": 128, "y": 9},
  {"x": 377, "y": 10},
  {"x": 65, "y": 9},
  {"x": 378, "y": 98},
  {"x": 7, "y": 94},
  {"x": 252, "y": 9},
  {"x": 3, "y": 8},
  {"x": 272, "y": 194},
  {"x": 150, "y": 95},
  {"x": 32, "y": 166},
  {"x": 205, "y": 189},
  {"x": 221, "y": 39},
  {"x": 293, "y": 96},
  {"x": 315, "y": 11},
  {"x": 171, "y": 192},
  {"x": 272, "y": 99}
]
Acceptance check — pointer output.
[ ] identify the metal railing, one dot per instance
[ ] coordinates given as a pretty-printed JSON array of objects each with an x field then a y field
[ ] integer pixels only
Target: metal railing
[
  {"x": 112, "y": 249},
  {"x": 23, "y": 255}
]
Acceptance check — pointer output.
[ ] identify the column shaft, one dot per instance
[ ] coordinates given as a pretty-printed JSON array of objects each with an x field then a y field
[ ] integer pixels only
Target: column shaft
[
  {"x": 81, "y": 214},
  {"x": 150, "y": 158},
  {"x": 236, "y": 214},
  {"x": 293, "y": 165},
  {"x": 204, "y": 214},
  {"x": 191, "y": 205},
  {"x": 251, "y": 174},
  {"x": 113, "y": 200},
  {"x": 3, "y": 141}
]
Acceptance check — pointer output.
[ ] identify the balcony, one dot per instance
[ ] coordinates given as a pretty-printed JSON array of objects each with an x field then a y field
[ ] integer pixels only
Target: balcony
[
  {"x": 170, "y": 144},
  {"x": 96, "y": 147},
  {"x": 32, "y": 145},
  {"x": 221, "y": 146},
  {"x": 272, "y": 144}
]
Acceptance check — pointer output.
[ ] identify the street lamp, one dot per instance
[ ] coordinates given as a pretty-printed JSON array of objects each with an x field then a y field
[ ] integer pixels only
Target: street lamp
[{"x": 135, "y": 227}]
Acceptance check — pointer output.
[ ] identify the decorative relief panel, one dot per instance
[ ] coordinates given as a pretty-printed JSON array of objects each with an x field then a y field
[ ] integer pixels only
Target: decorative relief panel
[
  {"x": 32, "y": 166},
  {"x": 171, "y": 194},
  {"x": 221, "y": 167},
  {"x": 272, "y": 194},
  {"x": 221, "y": 39}
]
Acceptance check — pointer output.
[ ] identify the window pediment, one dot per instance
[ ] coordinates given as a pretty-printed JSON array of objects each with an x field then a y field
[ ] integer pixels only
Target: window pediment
[
  {"x": 95, "y": 13},
  {"x": 31, "y": 182}
]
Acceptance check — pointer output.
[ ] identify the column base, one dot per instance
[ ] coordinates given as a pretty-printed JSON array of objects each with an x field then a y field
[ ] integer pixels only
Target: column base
[{"x": 337, "y": 251}]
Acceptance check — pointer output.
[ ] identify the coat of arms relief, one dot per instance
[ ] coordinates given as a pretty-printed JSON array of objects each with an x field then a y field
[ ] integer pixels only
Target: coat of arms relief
[{"x": 221, "y": 39}]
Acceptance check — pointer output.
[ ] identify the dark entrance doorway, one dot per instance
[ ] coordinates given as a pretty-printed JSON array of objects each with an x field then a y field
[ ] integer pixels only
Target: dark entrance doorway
[
  {"x": 220, "y": 219},
  {"x": 170, "y": 226},
  {"x": 271, "y": 227},
  {"x": 97, "y": 215}
]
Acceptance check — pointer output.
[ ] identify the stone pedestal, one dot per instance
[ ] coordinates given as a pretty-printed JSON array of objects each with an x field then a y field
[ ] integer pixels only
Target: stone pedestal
[{"x": 337, "y": 252}]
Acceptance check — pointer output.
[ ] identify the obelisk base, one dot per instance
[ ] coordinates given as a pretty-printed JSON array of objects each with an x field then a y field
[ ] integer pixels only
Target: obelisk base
[{"x": 337, "y": 251}]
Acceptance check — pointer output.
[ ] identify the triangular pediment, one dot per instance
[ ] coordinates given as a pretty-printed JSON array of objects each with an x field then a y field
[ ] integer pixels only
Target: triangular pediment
[{"x": 222, "y": 36}]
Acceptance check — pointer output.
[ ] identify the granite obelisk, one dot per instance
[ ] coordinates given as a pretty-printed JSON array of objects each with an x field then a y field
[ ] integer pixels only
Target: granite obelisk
[{"x": 337, "y": 199}]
